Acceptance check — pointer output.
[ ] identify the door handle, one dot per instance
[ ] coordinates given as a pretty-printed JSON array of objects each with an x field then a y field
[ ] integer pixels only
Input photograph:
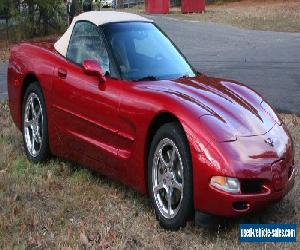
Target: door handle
[{"x": 62, "y": 73}]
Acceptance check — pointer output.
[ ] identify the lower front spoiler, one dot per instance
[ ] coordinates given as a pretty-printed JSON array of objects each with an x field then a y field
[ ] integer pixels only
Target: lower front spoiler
[{"x": 231, "y": 205}]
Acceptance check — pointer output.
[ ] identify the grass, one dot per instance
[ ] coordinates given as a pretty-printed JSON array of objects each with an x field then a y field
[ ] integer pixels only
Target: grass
[
  {"x": 272, "y": 15},
  {"x": 59, "y": 205}
]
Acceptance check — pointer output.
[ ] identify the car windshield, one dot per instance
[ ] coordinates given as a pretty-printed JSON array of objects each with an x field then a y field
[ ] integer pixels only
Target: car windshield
[{"x": 143, "y": 52}]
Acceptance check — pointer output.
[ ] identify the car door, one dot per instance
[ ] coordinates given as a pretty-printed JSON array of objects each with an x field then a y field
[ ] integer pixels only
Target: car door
[{"x": 86, "y": 111}]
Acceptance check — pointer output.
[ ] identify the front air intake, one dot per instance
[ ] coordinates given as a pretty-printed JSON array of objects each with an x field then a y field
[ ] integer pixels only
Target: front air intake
[{"x": 251, "y": 186}]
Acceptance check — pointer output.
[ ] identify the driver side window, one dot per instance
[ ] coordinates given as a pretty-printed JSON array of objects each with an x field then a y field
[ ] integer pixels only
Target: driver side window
[{"x": 87, "y": 43}]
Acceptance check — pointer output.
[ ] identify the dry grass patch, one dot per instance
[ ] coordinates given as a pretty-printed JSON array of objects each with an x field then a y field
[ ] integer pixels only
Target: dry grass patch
[
  {"x": 59, "y": 205},
  {"x": 4, "y": 51},
  {"x": 273, "y": 15}
]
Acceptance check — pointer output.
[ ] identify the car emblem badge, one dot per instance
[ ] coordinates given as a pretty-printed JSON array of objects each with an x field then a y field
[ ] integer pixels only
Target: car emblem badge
[{"x": 270, "y": 142}]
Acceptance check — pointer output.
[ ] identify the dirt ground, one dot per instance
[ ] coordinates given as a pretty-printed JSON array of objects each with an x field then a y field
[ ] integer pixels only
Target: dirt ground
[{"x": 60, "y": 205}]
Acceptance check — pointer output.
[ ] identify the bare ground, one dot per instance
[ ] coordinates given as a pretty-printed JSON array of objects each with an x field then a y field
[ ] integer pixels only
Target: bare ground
[{"x": 59, "y": 205}]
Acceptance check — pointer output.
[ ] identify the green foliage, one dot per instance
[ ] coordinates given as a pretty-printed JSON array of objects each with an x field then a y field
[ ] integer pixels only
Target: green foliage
[
  {"x": 29, "y": 18},
  {"x": 4, "y": 8}
]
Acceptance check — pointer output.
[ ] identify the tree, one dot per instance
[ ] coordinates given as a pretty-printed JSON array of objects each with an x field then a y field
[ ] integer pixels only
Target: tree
[
  {"x": 5, "y": 14},
  {"x": 34, "y": 17}
]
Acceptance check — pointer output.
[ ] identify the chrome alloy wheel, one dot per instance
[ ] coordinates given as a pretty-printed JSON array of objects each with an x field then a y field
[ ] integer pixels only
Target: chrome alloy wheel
[
  {"x": 168, "y": 181},
  {"x": 33, "y": 125}
]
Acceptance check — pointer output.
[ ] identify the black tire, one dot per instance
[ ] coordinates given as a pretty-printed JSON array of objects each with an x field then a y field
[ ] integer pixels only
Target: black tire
[
  {"x": 174, "y": 132},
  {"x": 43, "y": 154}
]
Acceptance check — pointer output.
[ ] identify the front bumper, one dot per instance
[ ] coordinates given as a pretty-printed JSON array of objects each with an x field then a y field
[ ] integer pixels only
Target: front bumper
[
  {"x": 234, "y": 205},
  {"x": 248, "y": 159}
]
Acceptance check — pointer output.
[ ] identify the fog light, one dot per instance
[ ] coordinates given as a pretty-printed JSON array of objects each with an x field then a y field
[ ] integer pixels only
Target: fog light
[
  {"x": 241, "y": 205},
  {"x": 227, "y": 184}
]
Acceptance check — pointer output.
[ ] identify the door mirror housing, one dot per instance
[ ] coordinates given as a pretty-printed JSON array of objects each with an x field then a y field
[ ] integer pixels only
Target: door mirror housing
[{"x": 92, "y": 68}]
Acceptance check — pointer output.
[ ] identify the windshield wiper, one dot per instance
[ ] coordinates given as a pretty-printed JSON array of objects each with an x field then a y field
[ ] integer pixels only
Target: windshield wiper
[
  {"x": 184, "y": 77},
  {"x": 147, "y": 78},
  {"x": 188, "y": 76}
]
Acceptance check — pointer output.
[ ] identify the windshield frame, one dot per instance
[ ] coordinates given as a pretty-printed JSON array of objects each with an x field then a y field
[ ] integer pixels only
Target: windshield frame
[{"x": 110, "y": 49}]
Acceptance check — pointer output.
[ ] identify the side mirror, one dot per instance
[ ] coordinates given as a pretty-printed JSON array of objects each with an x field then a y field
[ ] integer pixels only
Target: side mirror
[{"x": 92, "y": 68}]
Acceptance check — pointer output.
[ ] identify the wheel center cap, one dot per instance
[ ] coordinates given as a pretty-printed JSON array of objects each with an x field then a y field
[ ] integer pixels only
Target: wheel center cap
[
  {"x": 35, "y": 128},
  {"x": 169, "y": 178}
]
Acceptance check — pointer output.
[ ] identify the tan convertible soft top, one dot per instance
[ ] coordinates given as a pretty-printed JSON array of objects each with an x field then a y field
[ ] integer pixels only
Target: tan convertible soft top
[{"x": 98, "y": 18}]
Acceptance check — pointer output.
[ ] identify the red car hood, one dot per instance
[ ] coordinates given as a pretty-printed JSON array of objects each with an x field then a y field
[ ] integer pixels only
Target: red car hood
[{"x": 221, "y": 104}]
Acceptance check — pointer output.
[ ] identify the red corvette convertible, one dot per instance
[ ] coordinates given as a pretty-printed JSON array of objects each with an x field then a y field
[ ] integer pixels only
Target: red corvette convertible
[{"x": 115, "y": 95}]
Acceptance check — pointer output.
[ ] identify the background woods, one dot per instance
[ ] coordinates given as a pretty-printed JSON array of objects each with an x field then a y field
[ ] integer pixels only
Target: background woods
[{"x": 29, "y": 18}]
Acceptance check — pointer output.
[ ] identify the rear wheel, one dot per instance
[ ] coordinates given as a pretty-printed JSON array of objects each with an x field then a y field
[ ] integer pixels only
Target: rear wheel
[
  {"x": 34, "y": 124},
  {"x": 170, "y": 177}
]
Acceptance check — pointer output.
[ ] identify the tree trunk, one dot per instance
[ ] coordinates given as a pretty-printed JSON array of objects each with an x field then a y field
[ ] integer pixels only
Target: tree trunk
[
  {"x": 7, "y": 31},
  {"x": 77, "y": 7},
  {"x": 45, "y": 22},
  {"x": 120, "y": 4},
  {"x": 31, "y": 16}
]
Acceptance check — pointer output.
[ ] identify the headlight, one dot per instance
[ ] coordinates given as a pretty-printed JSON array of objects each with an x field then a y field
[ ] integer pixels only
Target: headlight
[{"x": 227, "y": 184}]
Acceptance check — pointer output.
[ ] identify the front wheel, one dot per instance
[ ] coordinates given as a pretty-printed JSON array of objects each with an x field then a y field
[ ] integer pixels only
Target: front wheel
[
  {"x": 34, "y": 124},
  {"x": 170, "y": 182}
]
